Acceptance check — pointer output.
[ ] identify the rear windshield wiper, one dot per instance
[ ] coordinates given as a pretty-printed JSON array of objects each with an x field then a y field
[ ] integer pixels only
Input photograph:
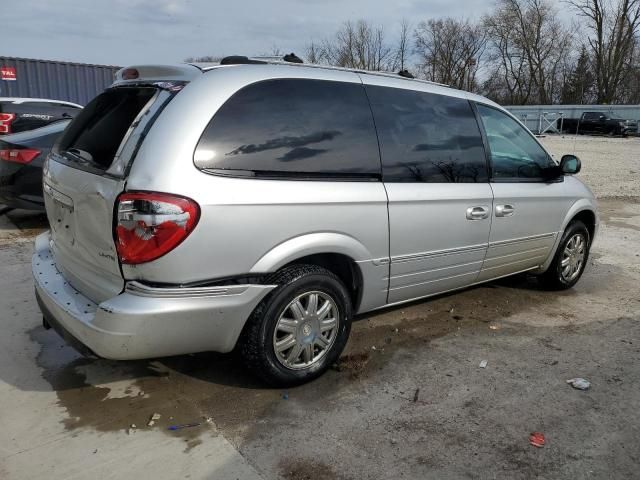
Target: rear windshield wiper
[{"x": 83, "y": 157}]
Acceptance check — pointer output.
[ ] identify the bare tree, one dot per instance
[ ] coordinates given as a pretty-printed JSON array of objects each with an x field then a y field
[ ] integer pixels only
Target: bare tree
[
  {"x": 356, "y": 45},
  {"x": 614, "y": 25},
  {"x": 402, "y": 52},
  {"x": 449, "y": 51},
  {"x": 529, "y": 46}
]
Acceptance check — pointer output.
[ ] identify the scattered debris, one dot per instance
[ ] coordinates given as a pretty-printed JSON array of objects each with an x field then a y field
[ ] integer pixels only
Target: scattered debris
[
  {"x": 483, "y": 364},
  {"x": 373, "y": 348},
  {"x": 396, "y": 330},
  {"x": 184, "y": 425},
  {"x": 416, "y": 395},
  {"x": 579, "y": 383},
  {"x": 152, "y": 420},
  {"x": 537, "y": 439},
  {"x": 132, "y": 429},
  {"x": 208, "y": 419},
  {"x": 354, "y": 363},
  {"x": 285, "y": 396},
  {"x": 494, "y": 327}
]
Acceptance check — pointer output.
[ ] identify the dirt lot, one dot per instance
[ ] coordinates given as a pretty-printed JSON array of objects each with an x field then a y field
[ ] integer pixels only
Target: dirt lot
[{"x": 408, "y": 399}]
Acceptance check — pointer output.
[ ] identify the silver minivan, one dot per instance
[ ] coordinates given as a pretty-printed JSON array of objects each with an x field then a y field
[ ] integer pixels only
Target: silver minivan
[{"x": 260, "y": 205}]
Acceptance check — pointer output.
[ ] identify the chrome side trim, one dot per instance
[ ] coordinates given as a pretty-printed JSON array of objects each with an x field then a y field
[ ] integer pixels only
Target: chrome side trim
[
  {"x": 142, "y": 290},
  {"x": 437, "y": 253},
  {"x": 452, "y": 289},
  {"x": 422, "y": 272},
  {"x": 475, "y": 274},
  {"x": 513, "y": 241},
  {"x": 520, "y": 253},
  {"x": 503, "y": 265}
]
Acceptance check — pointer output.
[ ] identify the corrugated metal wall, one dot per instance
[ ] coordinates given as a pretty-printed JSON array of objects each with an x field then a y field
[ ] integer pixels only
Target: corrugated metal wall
[
  {"x": 72, "y": 82},
  {"x": 531, "y": 115}
]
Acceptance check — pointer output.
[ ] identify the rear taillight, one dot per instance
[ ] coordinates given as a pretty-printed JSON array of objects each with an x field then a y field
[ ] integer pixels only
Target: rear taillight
[
  {"x": 5, "y": 122},
  {"x": 23, "y": 155},
  {"x": 151, "y": 224}
]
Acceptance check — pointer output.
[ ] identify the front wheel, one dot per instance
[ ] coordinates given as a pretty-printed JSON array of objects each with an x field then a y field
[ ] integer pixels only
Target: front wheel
[
  {"x": 300, "y": 329},
  {"x": 570, "y": 258}
]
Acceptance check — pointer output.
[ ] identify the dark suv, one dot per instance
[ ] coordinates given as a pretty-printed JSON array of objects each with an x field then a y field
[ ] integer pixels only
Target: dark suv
[{"x": 22, "y": 114}]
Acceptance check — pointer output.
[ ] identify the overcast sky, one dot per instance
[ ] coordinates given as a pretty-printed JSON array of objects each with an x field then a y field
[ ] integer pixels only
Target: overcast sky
[{"x": 121, "y": 32}]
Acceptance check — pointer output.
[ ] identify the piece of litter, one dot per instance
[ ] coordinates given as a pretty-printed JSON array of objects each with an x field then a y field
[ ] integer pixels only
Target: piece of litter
[
  {"x": 494, "y": 327},
  {"x": 155, "y": 416},
  {"x": 579, "y": 383},
  {"x": 150, "y": 423},
  {"x": 285, "y": 396},
  {"x": 373, "y": 348},
  {"x": 537, "y": 439},
  {"x": 184, "y": 425},
  {"x": 208, "y": 419},
  {"x": 483, "y": 364},
  {"x": 416, "y": 395}
]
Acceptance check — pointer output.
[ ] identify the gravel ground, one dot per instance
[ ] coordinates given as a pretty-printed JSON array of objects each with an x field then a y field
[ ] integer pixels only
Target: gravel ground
[
  {"x": 407, "y": 400},
  {"x": 610, "y": 166}
]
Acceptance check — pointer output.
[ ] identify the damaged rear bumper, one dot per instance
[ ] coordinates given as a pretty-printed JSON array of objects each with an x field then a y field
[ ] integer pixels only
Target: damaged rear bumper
[{"x": 143, "y": 321}]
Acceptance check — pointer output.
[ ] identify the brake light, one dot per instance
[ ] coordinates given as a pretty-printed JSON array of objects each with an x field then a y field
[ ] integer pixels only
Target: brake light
[
  {"x": 151, "y": 224},
  {"x": 5, "y": 122},
  {"x": 25, "y": 155},
  {"x": 130, "y": 74}
]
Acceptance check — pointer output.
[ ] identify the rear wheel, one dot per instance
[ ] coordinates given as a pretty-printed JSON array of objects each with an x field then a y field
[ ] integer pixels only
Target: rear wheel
[
  {"x": 300, "y": 329},
  {"x": 570, "y": 258}
]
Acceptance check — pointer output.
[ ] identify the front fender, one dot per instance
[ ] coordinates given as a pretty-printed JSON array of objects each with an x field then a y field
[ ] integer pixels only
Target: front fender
[
  {"x": 310, "y": 244},
  {"x": 579, "y": 206}
]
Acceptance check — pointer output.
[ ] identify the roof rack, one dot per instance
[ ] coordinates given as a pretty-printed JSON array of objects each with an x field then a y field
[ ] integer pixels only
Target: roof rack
[
  {"x": 405, "y": 73},
  {"x": 243, "y": 60},
  {"x": 240, "y": 60},
  {"x": 293, "y": 60}
]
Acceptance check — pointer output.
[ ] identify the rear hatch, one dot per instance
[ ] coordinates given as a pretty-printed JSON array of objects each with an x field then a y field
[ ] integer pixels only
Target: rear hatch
[{"x": 84, "y": 175}]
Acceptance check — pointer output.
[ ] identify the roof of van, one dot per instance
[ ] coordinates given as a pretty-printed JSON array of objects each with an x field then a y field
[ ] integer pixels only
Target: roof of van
[{"x": 190, "y": 71}]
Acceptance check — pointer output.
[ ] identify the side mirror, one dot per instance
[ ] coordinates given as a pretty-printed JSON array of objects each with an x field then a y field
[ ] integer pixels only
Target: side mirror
[{"x": 570, "y": 164}]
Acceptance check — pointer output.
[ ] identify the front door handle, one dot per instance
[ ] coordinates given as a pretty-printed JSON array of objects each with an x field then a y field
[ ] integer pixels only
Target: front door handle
[
  {"x": 504, "y": 210},
  {"x": 477, "y": 213}
]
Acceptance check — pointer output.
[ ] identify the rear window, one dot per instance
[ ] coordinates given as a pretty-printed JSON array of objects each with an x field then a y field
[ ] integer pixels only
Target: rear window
[
  {"x": 425, "y": 137},
  {"x": 292, "y": 127},
  {"x": 97, "y": 132}
]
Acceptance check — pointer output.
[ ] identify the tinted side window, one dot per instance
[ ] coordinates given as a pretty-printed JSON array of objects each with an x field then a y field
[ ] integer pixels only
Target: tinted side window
[
  {"x": 425, "y": 137},
  {"x": 515, "y": 154},
  {"x": 292, "y": 126}
]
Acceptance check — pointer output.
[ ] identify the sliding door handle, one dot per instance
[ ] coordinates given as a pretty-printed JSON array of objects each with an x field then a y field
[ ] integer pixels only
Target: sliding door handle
[
  {"x": 477, "y": 213},
  {"x": 504, "y": 210}
]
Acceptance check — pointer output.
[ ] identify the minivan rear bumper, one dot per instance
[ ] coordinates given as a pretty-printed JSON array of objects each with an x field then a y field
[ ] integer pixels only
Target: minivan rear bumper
[{"x": 143, "y": 322}]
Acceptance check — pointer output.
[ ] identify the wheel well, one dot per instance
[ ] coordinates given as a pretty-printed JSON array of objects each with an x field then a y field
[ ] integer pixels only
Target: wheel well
[
  {"x": 589, "y": 219},
  {"x": 344, "y": 267}
]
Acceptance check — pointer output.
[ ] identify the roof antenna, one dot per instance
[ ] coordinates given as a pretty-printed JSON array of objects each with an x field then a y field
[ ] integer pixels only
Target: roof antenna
[
  {"x": 406, "y": 73},
  {"x": 292, "y": 58}
]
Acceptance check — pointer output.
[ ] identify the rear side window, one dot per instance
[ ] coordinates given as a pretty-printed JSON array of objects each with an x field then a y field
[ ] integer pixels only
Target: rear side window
[
  {"x": 292, "y": 127},
  {"x": 425, "y": 137},
  {"x": 98, "y": 130}
]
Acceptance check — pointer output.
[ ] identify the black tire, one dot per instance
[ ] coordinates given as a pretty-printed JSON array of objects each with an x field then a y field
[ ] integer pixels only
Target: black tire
[
  {"x": 256, "y": 343},
  {"x": 553, "y": 279}
]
